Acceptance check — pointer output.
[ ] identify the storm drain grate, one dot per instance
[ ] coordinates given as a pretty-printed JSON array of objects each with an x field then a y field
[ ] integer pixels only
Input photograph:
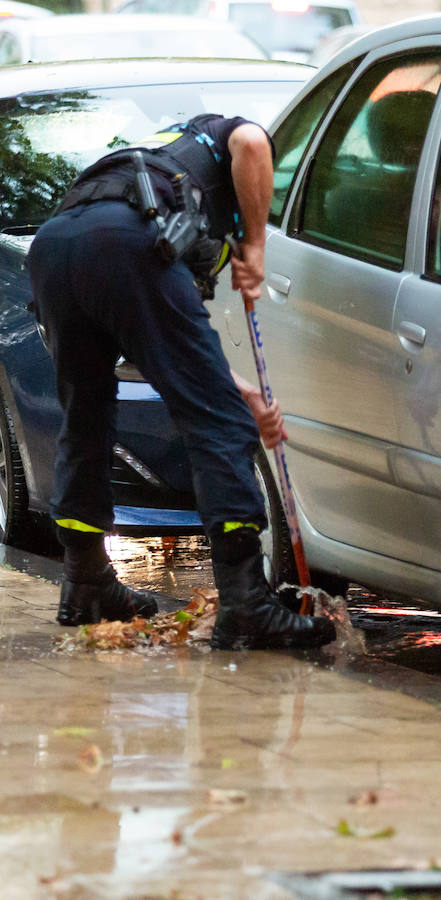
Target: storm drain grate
[{"x": 355, "y": 885}]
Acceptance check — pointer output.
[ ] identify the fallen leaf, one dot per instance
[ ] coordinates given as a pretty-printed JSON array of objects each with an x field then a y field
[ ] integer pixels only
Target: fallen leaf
[
  {"x": 201, "y": 629},
  {"x": 384, "y": 833},
  {"x": 226, "y": 797},
  {"x": 183, "y": 616},
  {"x": 193, "y": 623},
  {"x": 73, "y": 731},
  {"x": 91, "y": 759},
  {"x": 57, "y": 882},
  {"x": 365, "y": 798},
  {"x": 345, "y": 829}
]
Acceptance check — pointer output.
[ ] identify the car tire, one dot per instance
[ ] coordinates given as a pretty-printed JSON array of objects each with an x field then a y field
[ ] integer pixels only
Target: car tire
[
  {"x": 334, "y": 585},
  {"x": 13, "y": 491},
  {"x": 34, "y": 532},
  {"x": 279, "y": 562},
  {"x": 278, "y": 555}
]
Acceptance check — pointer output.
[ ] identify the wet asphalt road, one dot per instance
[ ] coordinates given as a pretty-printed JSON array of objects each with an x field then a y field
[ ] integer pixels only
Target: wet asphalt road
[{"x": 405, "y": 635}]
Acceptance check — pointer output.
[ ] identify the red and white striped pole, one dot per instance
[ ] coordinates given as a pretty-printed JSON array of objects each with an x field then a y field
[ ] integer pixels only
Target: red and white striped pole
[{"x": 279, "y": 452}]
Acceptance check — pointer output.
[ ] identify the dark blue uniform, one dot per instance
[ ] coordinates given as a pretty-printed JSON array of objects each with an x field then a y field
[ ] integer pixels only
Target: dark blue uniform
[{"x": 100, "y": 290}]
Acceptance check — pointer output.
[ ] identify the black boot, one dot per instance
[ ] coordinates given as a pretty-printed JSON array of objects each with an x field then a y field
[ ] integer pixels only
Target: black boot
[
  {"x": 91, "y": 590},
  {"x": 250, "y": 615}
]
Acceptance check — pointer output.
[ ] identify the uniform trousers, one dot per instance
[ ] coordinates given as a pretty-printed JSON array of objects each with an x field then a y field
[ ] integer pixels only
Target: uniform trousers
[{"x": 100, "y": 290}]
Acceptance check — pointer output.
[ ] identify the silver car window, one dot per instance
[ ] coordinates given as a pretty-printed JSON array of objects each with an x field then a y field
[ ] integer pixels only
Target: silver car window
[
  {"x": 360, "y": 188},
  {"x": 433, "y": 267},
  {"x": 295, "y": 133}
]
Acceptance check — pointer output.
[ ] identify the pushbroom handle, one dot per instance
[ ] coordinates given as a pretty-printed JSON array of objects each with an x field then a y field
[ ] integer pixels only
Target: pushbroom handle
[{"x": 279, "y": 452}]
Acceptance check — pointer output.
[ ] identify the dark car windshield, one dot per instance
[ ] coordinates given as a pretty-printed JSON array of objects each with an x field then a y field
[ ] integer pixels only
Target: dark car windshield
[
  {"x": 47, "y": 139},
  {"x": 287, "y": 31}
]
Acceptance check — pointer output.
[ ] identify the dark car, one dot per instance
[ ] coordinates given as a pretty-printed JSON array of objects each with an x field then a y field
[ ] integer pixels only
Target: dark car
[{"x": 57, "y": 119}]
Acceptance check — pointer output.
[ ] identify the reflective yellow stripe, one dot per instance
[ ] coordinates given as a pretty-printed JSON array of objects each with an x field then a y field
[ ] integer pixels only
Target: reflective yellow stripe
[
  {"x": 232, "y": 526},
  {"x": 223, "y": 258},
  {"x": 76, "y": 525},
  {"x": 161, "y": 137}
]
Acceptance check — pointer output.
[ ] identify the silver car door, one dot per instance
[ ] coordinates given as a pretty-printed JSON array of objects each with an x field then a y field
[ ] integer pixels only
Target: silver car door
[
  {"x": 358, "y": 203},
  {"x": 416, "y": 462}
]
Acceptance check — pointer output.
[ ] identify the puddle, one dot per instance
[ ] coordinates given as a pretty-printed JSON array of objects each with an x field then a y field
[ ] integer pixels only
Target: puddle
[
  {"x": 191, "y": 774},
  {"x": 404, "y": 633},
  {"x": 172, "y": 565},
  {"x": 408, "y": 634},
  {"x": 374, "y": 885}
]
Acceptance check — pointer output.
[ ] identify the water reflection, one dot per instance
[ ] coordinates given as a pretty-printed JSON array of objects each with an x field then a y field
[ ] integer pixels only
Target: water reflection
[
  {"x": 171, "y": 734},
  {"x": 174, "y": 565},
  {"x": 406, "y": 633}
]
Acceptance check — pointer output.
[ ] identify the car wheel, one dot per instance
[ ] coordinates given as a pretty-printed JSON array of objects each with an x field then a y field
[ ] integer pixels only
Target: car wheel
[
  {"x": 13, "y": 490},
  {"x": 279, "y": 563},
  {"x": 332, "y": 584}
]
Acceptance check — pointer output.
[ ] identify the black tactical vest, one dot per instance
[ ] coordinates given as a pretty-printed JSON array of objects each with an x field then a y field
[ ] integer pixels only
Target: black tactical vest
[{"x": 192, "y": 152}]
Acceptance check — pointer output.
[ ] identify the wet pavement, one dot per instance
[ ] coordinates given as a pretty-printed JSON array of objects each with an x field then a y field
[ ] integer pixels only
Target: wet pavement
[{"x": 185, "y": 774}]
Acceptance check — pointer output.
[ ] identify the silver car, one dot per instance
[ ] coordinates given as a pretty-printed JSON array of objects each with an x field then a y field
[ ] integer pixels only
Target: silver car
[{"x": 351, "y": 309}]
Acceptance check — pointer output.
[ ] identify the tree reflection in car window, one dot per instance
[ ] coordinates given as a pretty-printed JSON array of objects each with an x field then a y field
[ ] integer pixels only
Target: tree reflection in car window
[
  {"x": 360, "y": 191},
  {"x": 46, "y": 141},
  {"x": 32, "y": 183},
  {"x": 295, "y": 134}
]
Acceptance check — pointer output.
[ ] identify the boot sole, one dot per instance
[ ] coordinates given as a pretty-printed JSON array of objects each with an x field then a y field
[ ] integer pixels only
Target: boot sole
[{"x": 220, "y": 641}]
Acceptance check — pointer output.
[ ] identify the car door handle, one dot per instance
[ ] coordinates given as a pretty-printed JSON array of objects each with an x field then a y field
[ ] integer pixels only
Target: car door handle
[
  {"x": 279, "y": 282},
  {"x": 409, "y": 331}
]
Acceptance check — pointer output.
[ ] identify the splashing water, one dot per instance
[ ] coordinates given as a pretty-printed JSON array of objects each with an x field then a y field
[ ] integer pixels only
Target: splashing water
[{"x": 349, "y": 639}]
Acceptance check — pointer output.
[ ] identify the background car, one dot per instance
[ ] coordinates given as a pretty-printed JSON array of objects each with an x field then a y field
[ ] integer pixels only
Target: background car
[
  {"x": 333, "y": 41},
  {"x": 172, "y": 7},
  {"x": 287, "y": 29},
  {"x": 105, "y": 36},
  {"x": 350, "y": 315},
  {"x": 13, "y": 9},
  {"x": 60, "y": 119}
]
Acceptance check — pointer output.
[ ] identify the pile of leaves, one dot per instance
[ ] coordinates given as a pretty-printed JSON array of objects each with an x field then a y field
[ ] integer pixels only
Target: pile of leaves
[{"x": 192, "y": 623}]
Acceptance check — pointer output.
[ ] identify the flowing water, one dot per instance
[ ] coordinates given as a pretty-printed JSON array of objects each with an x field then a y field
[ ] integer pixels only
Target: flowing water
[{"x": 349, "y": 640}]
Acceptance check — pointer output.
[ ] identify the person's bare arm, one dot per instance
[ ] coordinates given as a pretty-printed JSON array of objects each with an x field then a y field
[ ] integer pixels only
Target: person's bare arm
[
  {"x": 269, "y": 418},
  {"x": 252, "y": 173}
]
